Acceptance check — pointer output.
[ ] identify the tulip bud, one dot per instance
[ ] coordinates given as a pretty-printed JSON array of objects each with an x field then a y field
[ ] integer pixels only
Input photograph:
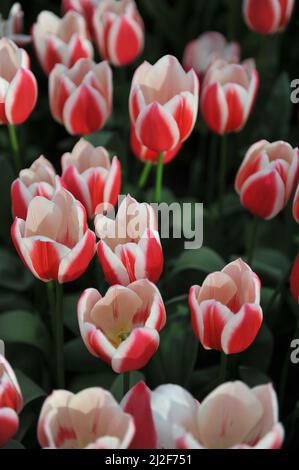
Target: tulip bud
[{"x": 267, "y": 16}]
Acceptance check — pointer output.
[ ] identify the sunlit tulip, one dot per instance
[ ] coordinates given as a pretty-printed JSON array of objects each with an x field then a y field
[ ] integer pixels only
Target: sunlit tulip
[
  {"x": 225, "y": 311},
  {"x": 210, "y": 46},
  {"x": 163, "y": 104},
  {"x": 54, "y": 241},
  {"x": 81, "y": 97},
  {"x": 38, "y": 180},
  {"x": 267, "y": 16},
  {"x": 267, "y": 176},
  {"x": 118, "y": 30},
  {"x": 11, "y": 402},
  {"x": 84, "y": 7},
  {"x": 12, "y": 27},
  {"x": 228, "y": 95},
  {"x": 90, "y": 177},
  {"x": 122, "y": 328},
  {"x": 130, "y": 246},
  {"x": 18, "y": 87},
  {"x": 91, "y": 419},
  {"x": 233, "y": 416},
  {"x": 60, "y": 40}
]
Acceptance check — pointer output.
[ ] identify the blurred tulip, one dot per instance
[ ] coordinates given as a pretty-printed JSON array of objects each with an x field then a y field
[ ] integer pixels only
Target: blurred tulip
[
  {"x": 81, "y": 97},
  {"x": 11, "y": 402},
  {"x": 122, "y": 328},
  {"x": 38, "y": 180},
  {"x": 84, "y": 7},
  {"x": 130, "y": 246},
  {"x": 296, "y": 204},
  {"x": 163, "y": 104},
  {"x": 267, "y": 16},
  {"x": 294, "y": 280},
  {"x": 90, "y": 177},
  {"x": 228, "y": 95},
  {"x": 13, "y": 26},
  {"x": 233, "y": 416},
  {"x": 60, "y": 40},
  {"x": 210, "y": 46},
  {"x": 225, "y": 311},
  {"x": 18, "y": 87},
  {"x": 54, "y": 241},
  {"x": 118, "y": 30},
  {"x": 267, "y": 177},
  {"x": 91, "y": 419}
]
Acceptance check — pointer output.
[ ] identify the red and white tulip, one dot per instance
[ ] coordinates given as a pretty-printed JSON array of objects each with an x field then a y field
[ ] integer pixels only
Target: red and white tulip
[
  {"x": 296, "y": 205},
  {"x": 267, "y": 16},
  {"x": 200, "y": 53},
  {"x": 228, "y": 95},
  {"x": 91, "y": 419},
  {"x": 129, "y": 246},
  {"x": 54, "y": 241},
  {"x": 122, "y": 328},
  {"x": 81, "y": 97},
  {"x": 267, "y": 177},
  {"x": 90, "y": 177},
  {"x": 11, "y": 402},
  {"x": 225, "y": 311},
  {"x": 60, "y": 40},
  {"x": 294, "y": 280},
  {"x": 38, "y": 180},
  {"x": 18, "y": 86},
  {"x": 84, "y": 7},
  {"x": 118, "y": 30},
  {"x": 163, "y": 104},
  {"x": 12, "y": 27}
]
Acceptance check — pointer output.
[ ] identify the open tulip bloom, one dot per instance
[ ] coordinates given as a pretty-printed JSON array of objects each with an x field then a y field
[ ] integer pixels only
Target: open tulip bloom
[
  {"x": 129, "y": 246},
  {"x": 122, "y": 328},
  {"x": 12, "y": 27},
  {"x": 267, "y": 16},
  {"x": 225, "y": 311},
  {"x": 267, "y": 177}
]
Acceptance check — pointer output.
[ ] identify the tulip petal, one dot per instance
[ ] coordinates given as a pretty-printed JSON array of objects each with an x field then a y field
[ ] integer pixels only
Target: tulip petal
[
  {"x": 262, "y": 17},
  {"x": 21, "y": 96},
  {"x": 150, "y": 245},
  {"x": 114, "y": 270},
  {"x": 9, "y": 423},
  {"x": 214, "y": 108},
  {"x": 113, "y": 183},
  {"x": 75, "y": 263},
  {"x": 125, "y": 40},
  {"x": 20, "y": 198}
]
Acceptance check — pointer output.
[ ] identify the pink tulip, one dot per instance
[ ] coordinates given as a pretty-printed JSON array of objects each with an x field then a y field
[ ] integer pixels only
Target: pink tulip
[
  {"x": 11, "y": 402},
  {"x": 228, "y": 95},
  {"x": 267, "y": 177},
  {"x": 84, "y": 7},
  {"x": 210, "y": 46},
  {"x": 90, "y": 177},
  {"x": 225, "y": 311},
  {"x": 296, "y": 205},
  {"x": 267, "y": 16},
  {"x": 163, "y": 104},
  {"x": 60, "y": 40},
  {"x": 130, "y": 246},
  {"x": 18, "y": 87},
  {"x": 122, "y": 328},
  {"x": 13, "y": 26},
  {"x": 54, "y": 241},
  {"x": 233, "y": 416},
  {"x": 91, "y": 419},
  {"x": 81, "y": 97},
  {"x": 118, "y": 30},
  {"x": 38, "y": 180}
]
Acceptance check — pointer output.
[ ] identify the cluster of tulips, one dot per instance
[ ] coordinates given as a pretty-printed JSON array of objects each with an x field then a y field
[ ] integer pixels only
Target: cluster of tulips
[{"x": 58, "y": 218}]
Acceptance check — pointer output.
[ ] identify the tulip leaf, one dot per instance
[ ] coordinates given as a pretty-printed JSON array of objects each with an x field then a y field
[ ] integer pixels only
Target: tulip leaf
[
  {"x": 13, "y": 274},
  {"x": 99, "y": 379},
  {"x": 13, "y": 445},
  {"x": 30, "y": 390},
  {"x": 259, "y": 354},
  {"x": 252, "y": 376},
  {"x": 271, "y": 263},
  {"x": 117, "y": 388},
  {"x": 70, "y": 302},
  {"x": 78, "y": 358},
  {"x": 204, "y": 260}
]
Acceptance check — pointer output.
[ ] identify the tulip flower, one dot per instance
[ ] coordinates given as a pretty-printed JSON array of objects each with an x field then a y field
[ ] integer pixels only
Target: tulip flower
[
  {"x": 84, "y": 7},
  {"x": 225, "y": 311},
  {"x": 90, "y": 177},
  {"x": 38, "y": 180},
  {"x": 296, "y": 206},
  {"x": 18, "y": 87},
  {"x": 294, "y": 280},
  {"x": 267, "y": 16},
  {"x": 233, "y": 416},
  {"x": 200, "y": 53},
  {"x": 54, "y": 241},
  {"x": 91, "y": 419},
  {"x": 118, "y": 30},
  {"x": 60, "y": 40},
  {"x": 228, "y": 95},
  {"x": 267, "y": 177},
  {"x": 13, "y": 26},
  {"x": 81, "y": 97},
  {"x": 122, "y": 328},
  {"x": 11, "y": 402},
  {"x": 130, "y": 246}
]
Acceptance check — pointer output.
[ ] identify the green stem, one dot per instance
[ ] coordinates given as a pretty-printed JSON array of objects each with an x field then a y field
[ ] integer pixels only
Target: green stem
[
  {"x": 222, "y": 173},
  {"x": 252, "y": 240},
  {"x": 15, "y": 148},
  {"x": 159, "y": 178},
  {"x": 144, "y": 175},
  {"x": 126, "y": 379},
  {"x": 223, "y": 368},
  {"x": 58, "y": 335}
]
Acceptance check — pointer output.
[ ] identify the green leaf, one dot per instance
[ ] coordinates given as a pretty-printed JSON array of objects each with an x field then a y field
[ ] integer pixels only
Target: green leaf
[
  {"x": 100, "y": 379},
  {"x": 117, "y": 388},
  {"x": 30, "y": 390},
  {"x": 252, "y": 376},
  {"x": 13, "y": 274},
  {"x": 78, "y": 359},
  {"x": 13, "y": 445},
  {"x": 204, "y": 260},
  {"x": 70, "y": 319},
  {"x": 271, "y": 263},
  {"x": 259, "y": 354}
]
